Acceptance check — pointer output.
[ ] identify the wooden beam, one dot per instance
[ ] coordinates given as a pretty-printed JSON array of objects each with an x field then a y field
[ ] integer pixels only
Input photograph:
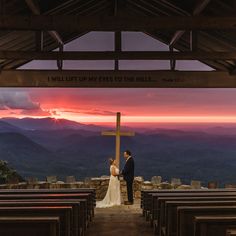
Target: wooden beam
[
  {"x": 200, "y": 6},
  {"x": 117, "y": 79},
  {"x": 2, "y": 7},
  {"x": 35, "y": 8},
  {"x": 39, "y": 41},
  {"x": 114, "y": 23},
  {"x": 56, "y": 37},
  {"x": 59, "y": 60},
  {"x": 178, "y": 34},
  {"x": 118, "y": 39},
  {"x": 116, "y": 9},
  {"x": 118, "y": 42},
  {"x": 172, "y": 61},
  {"x": 110, "y": 55},
  {"x": 33, "y": 5},
  {"x": 193, "y": 41},
  {"x": 217, "y": 65}
]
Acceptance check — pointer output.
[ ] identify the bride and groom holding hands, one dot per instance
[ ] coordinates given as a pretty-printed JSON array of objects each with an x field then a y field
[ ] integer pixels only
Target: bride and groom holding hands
[{"x": 113, "y": 195}]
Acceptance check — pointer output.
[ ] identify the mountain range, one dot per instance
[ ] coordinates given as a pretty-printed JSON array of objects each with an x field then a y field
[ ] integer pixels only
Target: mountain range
[{"x": 41, "y": 147}]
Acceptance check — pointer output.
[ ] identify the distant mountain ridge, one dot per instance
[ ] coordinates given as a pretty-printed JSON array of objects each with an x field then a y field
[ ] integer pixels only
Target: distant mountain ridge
[
  {"x": 48, "y": 124},
  {"x": 41, "y": 147},
  {"x": 7, "y": 127}
]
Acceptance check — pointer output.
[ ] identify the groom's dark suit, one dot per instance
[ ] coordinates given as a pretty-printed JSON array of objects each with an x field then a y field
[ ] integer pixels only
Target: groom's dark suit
[{"x": 128, "y": 173}]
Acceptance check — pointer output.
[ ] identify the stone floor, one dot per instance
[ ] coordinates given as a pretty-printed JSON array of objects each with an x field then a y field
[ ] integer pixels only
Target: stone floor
[{"x": 122, "y": 221}]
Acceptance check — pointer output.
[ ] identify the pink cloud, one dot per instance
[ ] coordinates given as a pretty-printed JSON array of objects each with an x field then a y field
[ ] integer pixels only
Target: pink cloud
[
  {"x": 36, "y": 112},
  {"x": 90, "y": 112}
]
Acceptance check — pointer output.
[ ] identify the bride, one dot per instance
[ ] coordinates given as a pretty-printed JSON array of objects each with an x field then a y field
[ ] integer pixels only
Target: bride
[{"x": 113, "y": 195}]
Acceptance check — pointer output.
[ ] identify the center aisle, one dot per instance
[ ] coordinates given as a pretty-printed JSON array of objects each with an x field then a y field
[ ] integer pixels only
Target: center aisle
[{"x": 119, "y": 221}]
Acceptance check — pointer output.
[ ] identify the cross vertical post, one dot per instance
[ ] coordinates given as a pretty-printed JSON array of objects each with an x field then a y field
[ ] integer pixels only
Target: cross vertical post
[
  {"x": 118, "y": 133},
  {"x": 118, "y": 139}
]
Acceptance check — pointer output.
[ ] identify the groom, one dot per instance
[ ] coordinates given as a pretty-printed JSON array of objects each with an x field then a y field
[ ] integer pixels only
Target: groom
[{"x": 128, "y": 173}]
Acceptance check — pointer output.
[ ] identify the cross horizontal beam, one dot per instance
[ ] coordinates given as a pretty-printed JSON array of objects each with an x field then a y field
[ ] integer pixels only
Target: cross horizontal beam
[
  {"x": 69, "y": 23},
  {"x": 125, "y": 55},
  {"x": 122, "y": 133},
  {"x": 117, "y": 79}
]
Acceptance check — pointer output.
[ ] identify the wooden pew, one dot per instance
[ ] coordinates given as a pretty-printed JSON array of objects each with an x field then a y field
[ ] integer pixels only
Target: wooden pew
[
  {"x": 231, "y": 232},
  {"x": 186, "y": 215},
  {"x": 213, "y": 225},
  {"x": 169, "y": 226},
  {"x": 26, "y": 226},
  {"x": 146, "y": 194},
  {"x": 91, "y": 191},
  {"x": 147, "y": 197},
  {"x": 78, "y": 223},
  {"x": 63, "y": 212},
  {"x": 47, "y": 191},
  {"x": 166, "y": 202},
  {"x": 53, "y": 196},
  {"x": 155, "y": 207},
  {"x": 85, "y": 199}
]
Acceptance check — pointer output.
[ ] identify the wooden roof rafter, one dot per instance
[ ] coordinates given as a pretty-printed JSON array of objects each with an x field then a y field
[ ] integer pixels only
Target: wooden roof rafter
[{"x": 153, "y": 7}]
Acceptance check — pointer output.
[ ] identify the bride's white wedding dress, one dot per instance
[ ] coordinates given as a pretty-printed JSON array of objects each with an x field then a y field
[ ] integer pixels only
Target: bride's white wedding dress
[{"x": 113, "y": 195}]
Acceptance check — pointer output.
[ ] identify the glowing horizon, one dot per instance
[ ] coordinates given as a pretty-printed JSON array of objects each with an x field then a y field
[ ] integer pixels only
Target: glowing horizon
[
  {"x": 92, "y": 119},
  {"x": 154, "y": 119}
]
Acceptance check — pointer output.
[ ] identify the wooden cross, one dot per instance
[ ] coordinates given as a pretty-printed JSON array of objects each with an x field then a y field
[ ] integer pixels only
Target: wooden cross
[{"x": 117, "y": 133}]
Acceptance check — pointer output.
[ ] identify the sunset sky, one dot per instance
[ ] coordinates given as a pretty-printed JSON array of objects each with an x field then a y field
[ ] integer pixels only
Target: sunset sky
[{"x": 136, "y": 105}]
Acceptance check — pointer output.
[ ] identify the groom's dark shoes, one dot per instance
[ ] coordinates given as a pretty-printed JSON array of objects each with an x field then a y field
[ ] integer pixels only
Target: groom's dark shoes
[{"x": 128, "y": 203}]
